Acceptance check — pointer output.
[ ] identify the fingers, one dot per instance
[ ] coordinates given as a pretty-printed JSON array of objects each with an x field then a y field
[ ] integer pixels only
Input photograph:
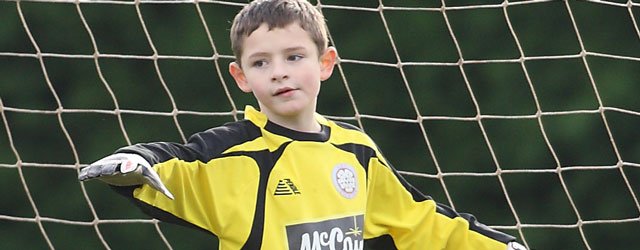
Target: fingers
[
  {"x": 107, "y": 166},
  {"x": 99, "y": 170}
]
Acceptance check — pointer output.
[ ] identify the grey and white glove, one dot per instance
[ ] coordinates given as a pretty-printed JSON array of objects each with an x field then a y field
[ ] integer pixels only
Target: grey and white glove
[
  {"x": 515, "y": 246},
  {"x": 124, "y": 169}
]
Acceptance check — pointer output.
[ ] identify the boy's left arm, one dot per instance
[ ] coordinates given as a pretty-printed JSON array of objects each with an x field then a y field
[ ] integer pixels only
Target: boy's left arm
[{"x": 415, "y": 221}]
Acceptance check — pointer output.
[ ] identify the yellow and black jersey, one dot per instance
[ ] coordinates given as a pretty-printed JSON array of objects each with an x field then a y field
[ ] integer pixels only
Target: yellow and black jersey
[{"x": 257, "y": 185}]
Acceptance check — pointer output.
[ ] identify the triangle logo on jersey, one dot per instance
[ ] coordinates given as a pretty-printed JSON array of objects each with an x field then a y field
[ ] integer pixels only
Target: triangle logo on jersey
[{"x": 286, "y": 187}]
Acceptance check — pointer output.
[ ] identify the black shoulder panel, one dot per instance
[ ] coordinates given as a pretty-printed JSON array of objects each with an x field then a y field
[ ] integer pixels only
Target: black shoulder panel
[
  {"x": 347, "y": 125},
  {"x": 202, "y": 146}
]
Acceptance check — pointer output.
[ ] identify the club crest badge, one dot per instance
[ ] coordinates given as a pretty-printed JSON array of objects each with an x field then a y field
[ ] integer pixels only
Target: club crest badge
[{"x": 345, "y": 180}]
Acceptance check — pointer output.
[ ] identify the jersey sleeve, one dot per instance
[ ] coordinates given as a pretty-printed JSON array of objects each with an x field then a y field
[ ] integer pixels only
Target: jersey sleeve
[
  {"x": 195, "y": 173},
  {"x": 415, "y": 221}
]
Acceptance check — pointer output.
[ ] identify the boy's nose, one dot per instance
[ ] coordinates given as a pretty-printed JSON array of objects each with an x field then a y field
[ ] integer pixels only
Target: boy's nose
[
  {"x": 279, "y": 78},
  {"x": 279, "y": 72}
]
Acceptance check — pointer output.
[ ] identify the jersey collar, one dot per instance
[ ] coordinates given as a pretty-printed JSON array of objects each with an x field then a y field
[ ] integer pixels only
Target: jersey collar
[{"x": 260, "y": 119}]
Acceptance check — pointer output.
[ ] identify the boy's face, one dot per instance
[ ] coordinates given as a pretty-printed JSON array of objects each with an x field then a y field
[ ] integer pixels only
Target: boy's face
[{"x": 283, "y": 70}]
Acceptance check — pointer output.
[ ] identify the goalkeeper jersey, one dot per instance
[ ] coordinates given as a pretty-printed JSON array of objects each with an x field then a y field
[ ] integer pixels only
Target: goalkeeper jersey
[{"x": 257, "y": 185}]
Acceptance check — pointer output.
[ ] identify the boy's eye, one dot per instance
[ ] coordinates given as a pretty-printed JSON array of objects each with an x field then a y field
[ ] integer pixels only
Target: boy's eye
[
  {"x": 259, "y": 63},
  {"x": 294, "y": 57}
]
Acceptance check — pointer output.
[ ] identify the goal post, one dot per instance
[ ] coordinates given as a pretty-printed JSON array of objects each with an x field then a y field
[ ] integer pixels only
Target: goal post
[{"x": 522, "y": 113}]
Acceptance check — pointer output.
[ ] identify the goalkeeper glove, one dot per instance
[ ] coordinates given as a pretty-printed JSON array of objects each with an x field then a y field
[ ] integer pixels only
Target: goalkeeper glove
[
  {"x": 124, "y": 169},
  {"x": 515, "y": 246}
]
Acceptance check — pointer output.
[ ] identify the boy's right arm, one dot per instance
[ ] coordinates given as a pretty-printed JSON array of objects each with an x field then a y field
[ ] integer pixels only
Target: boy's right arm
[
  {"x": 135, "y": 165},
  {"x": 181, "y": 169},
  {"x": 124, "y": 169}
]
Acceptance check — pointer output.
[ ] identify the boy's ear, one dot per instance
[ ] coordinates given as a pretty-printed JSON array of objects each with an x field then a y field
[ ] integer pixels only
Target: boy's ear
[
  {"x": 238, "y": 75},
  {"x": 327, "y": 62}
]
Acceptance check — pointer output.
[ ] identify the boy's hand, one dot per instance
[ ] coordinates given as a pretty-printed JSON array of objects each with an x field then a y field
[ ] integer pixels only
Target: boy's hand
[
  {"x": 123, "y": 169},
  {"x": 515, "y": 246}
]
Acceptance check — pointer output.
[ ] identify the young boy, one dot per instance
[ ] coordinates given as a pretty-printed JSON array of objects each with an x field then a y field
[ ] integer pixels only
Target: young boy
[{"x": 286, "y": 177}]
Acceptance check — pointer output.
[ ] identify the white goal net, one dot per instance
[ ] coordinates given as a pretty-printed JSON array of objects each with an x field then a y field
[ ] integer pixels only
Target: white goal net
[{"x": 523, "y": 113}]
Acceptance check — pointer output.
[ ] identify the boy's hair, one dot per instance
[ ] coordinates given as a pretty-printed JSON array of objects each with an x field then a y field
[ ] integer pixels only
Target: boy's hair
[{"x": 278, "y": 14}]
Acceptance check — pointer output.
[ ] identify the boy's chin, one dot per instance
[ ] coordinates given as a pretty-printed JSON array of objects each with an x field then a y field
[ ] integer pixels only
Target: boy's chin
[{"x": 290, "y": 110}]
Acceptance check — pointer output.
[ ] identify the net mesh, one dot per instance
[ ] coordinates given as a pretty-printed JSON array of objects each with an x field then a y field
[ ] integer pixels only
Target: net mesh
[{"x": 524, "y": 113}]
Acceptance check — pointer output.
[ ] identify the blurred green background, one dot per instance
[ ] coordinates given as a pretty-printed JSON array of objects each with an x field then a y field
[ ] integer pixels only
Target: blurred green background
[{"x": 578, "y": 191}]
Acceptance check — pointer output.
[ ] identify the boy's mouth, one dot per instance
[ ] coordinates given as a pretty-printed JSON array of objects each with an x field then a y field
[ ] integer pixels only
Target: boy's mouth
[{"x": 283, "y": 91}]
